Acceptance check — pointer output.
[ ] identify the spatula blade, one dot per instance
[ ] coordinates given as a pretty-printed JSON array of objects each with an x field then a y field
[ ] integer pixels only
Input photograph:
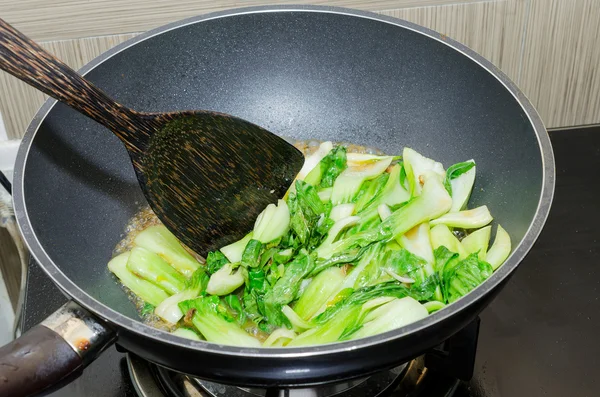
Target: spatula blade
[{"x": 207, "y": 176}]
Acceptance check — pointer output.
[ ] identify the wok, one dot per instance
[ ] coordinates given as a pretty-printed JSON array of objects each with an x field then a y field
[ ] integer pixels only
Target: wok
[{"x": 304, "y": 73}]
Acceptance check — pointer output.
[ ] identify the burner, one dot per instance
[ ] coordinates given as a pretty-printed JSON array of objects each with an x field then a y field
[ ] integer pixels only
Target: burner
[
  {"x": 408, "y": 380},
  {"x": 435, "y": 374}
]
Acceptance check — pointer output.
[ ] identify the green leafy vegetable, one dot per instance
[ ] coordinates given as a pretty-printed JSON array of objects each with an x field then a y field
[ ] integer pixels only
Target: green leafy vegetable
[
  {"x": 306, "y": 208},
  {"x": 349, "y": 256},
  {"x": 393, "y": 193},
  {"x": 456, "y": 170},
  {"x": 286, "y": 288},
  {"x": 332, "y": 166},
  {"x": 461, "y": 278},
  {"x": 207, "y": 316},
  {"x": 405, "y": 264},
  {"x": 313, "y": 162},
  {"x": 298, "y": 324},
  {"x": 360, "y": 244},
  {"x": 433, "y": 306},
  {"x": 318, "y": 292},
  {"x": 215, "y": 260},
  {"x": 468, "y": 219},
  {"x": 283, "y": 256},
  {"x": 309, "y": 199},
  {"x": 433, "y": 202},
  {"x": 362, "y": 295},
  {"x": 461, "y": 189},
  {"x": 236, "y": 307},
  {"x": 169, "y": 311},
  {"x": 370, "y": 190},
  {"x": 348, "y": 183},
  {"x": 331, "y": 330},
  {"x": 251, "y": 254},
  {"x": 148, "y": 308},
  {"x": 280, "y": 337},
  {"x": 256, "y": 279}
]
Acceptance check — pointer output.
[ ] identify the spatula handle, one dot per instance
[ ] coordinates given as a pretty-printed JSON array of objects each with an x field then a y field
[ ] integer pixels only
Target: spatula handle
[{"x": 27, "y": 61}]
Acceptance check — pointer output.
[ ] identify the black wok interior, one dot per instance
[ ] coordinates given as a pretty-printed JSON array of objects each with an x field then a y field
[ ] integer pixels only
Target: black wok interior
[{"x": 299, "y": 74}]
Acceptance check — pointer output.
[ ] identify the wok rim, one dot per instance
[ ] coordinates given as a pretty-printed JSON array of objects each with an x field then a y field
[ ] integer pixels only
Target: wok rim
[{"x": 121, "y": 321}]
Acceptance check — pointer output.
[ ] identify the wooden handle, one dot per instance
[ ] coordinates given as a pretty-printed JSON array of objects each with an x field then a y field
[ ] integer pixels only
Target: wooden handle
[
  {"x": 37, "y": 362},
  {"x": 27, "y": 61},
  {"x": 53, "y": 353}
]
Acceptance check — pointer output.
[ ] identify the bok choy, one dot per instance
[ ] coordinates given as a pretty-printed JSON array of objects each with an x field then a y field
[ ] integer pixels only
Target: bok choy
[{"x": 361, "y": 244}]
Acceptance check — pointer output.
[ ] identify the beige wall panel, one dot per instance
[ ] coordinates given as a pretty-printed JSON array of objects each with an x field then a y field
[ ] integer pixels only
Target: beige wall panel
[
  {"x": 548, "y": 47},
  {"x": 19, "y": 102},
  {"x": 10, "y": 267},
  {"x": 561, "y": 61},
  {"x": 493, "y": 29},
  {"x": 66, "y": 19},
  {"x": 480, "y": 25}
]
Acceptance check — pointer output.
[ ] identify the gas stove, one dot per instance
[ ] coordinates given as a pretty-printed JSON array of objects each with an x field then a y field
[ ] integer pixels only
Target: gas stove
[
  {"x": 538, "y": 337},
  {"x": 410, "y": 379}
]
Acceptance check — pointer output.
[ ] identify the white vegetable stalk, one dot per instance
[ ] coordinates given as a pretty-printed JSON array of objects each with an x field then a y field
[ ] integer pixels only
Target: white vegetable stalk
[
  {"x": 144, "y": 289},
  {"x": 417, "y": 166},
  {"x": 392, "y": 315},
  {"x": 442, "y": 236},
  {"x": 461, "y": 189},
  {"x": 324, "y": 248},
  {"x": 418, "y": 242},
  {"x": 233, "y": 252},
  {"x": 478, "y": 241},
  {"x": 358, "y": 159},
  {"x": 169, "y": 310},
  {"x": 272, "y": 223},
  {"x": 325, "y": 194},
  {"x": 159, "y": 240},
  {"x": 376, "y": 302},
  {"x": 186, "y": 333},
  {"x": 314, "y": 159},
  {"x": 384, "y": 211},
  {"x": 402, "y": 279},
  {"x": 349, "y": 181},
  {"x": 224, "y": 281},
  {"x": 341, "y": 211},
  {"x": 433, "y": 306},
  {"x": 393, "y": 192},
  {"x": 468, "y": 219},
  {"x": 279, "y": 338},
  {"x": 318, "y": 292},
  {"x": 298, "y": 324},
  {"x": 432, "y": 203},
  {"x": 500, "y": 249}
]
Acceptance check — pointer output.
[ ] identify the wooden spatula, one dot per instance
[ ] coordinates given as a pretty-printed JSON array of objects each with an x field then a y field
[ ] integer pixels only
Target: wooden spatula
[{"x": 206, "y": 175}]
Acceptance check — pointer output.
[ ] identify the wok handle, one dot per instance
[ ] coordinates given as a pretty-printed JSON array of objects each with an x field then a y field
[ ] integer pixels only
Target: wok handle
[
  {"x": 52, "y": 353},
  {"x": 27, "y": 61}
]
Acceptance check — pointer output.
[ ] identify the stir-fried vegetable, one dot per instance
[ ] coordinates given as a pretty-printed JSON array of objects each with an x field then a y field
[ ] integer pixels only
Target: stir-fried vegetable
[
  {"x": 361, "y": 244},
  {"x": 144, "y": 289}
]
